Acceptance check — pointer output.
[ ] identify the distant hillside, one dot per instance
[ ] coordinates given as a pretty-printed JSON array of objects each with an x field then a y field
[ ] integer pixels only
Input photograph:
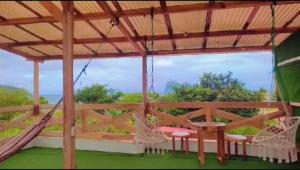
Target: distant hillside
[{"x": 9, "y": 87}]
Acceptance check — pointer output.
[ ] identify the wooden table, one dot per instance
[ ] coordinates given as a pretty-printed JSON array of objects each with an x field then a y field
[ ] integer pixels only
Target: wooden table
[{"x": 219, "y": 128}]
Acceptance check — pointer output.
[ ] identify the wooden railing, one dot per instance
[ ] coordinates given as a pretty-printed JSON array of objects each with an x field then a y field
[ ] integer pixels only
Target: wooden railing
[{"x": 93, "y": 122}]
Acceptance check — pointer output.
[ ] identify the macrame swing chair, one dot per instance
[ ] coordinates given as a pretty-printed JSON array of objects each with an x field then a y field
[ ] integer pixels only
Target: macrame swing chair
[
  {"x": 277, "y": 141},
  {"x": 148, "y": 134}
]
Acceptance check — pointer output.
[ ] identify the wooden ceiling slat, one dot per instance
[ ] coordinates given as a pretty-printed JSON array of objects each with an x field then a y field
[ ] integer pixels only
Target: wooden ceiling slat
[
  {"x": 121, "y": 27},
  {"x": 147, "y": 11},
  {"x": 285, "y": 26},
  {"x": 168, "y": 52},
  {"x": 132, "y": 37},
  {"x": 128, "y": 22},
  {"x": 160, "y": 37},
  {"x": 99, "y": 32}
]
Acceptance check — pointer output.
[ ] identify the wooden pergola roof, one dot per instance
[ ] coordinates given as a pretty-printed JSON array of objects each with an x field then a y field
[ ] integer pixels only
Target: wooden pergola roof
[{"x": 32, "y": 29}]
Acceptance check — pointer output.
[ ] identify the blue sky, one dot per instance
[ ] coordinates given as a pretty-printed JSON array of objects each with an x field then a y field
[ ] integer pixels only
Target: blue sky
[{"x": 254, "y": 69}]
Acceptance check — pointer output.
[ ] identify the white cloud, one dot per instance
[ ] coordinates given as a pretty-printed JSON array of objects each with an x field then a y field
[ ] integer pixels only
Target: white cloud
[{"x": 163, "y": 62}]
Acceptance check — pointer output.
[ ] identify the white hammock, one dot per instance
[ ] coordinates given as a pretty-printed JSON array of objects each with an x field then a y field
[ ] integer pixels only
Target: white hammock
[
  {"x": 278, "y": 142},
  {"x": 149, "y": 138}
]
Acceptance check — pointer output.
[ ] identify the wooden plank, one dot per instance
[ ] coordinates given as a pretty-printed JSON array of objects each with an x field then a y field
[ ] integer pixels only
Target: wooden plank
[
  {"x": 227, "y": 115},
  {"x": 207, "y": 24},
  {"x": 167, "y": 52},
  {"x": 254, "y": 120},
  {"x": 69, "y": 109},
  {"x": 53, "y": 10},
  {"x": 220, "y": 105},
  {"x": 130, "y": 25},
  {"x": 178, "y": 36},
  {"x": 106, "y": 106},
  {"x": 146, "y": 11},
  {"x": 168, "y": 23},
  {"x": 121, "y": 27},
  {"x": 100, "y": 33},
  {"x": 247, "y": 23},
  {"x": 195, "y": 114},
  {"x": 16, "y": 108}
]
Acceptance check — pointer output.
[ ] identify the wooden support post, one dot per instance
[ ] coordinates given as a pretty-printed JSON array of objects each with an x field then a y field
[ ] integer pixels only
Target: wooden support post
[
  {"x": 145, "y": 82},
  {"x": 69, "y": 110},
  {"x": 36, "y": 94}
]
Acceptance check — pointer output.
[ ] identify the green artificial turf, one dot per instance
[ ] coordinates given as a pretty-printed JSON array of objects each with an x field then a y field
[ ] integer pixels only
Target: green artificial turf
[{"x": 52, "y": 158}]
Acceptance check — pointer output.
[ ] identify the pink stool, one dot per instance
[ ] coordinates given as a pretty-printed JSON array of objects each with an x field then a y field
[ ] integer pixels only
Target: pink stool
[{"x": 184, "y": 137}]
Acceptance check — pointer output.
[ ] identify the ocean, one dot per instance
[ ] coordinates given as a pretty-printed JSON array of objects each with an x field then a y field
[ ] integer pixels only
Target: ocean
[{"x": 52, "y": 98}]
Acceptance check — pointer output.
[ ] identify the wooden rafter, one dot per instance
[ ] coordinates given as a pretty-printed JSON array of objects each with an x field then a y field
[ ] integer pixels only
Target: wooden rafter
[
  {"x": 40, "y": 16},
  {"x": 147, "y": 11},
  {"x": 18, "y": 52},
  {"x": 246, "y": 25},
  {"x": 168, "y": 23},
  {"x": 284, "y": 26},
  {"x": 52, "y": 9},
  {"x": 130, "y": 25},
  {"x": 121, "y": 27},
  {"x": 207, "y": 24},
  {"x": 167, "y": 52},
  {"x": 158, "y": 37},
  {"x": 99, "y": 32}
]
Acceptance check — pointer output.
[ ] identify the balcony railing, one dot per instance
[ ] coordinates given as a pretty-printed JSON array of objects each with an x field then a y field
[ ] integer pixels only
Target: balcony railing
[{"x": 93, "y": 122}]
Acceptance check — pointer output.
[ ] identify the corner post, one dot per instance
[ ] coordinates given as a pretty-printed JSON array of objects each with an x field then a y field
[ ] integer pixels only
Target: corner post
[
  {"x": 68, "y": 105},
  {"x": 145, "y": 83},
  {"x": 36, "y": 94}
]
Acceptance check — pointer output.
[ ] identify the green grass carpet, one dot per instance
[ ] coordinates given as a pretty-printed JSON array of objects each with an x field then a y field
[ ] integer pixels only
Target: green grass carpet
[{"x": 42, "y": 158}]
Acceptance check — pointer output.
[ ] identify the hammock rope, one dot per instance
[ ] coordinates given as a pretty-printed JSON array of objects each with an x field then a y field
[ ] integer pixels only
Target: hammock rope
[
  {"x": 274, "y": 87},
  {"x": 17, "y": 143}
]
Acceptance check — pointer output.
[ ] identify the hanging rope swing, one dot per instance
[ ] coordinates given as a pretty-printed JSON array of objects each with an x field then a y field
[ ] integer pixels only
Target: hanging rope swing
[{"x": 277, "y": 141}]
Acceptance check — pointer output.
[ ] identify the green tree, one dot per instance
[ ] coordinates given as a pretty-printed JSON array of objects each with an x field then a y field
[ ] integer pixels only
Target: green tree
[
  {"x": 214, "y": 87},
  {"x": 12, "y": 96},
  {"x": 137, "y": 98},
  {"x": 97, "y": 94},
  {"x": 43, "y": 100}
]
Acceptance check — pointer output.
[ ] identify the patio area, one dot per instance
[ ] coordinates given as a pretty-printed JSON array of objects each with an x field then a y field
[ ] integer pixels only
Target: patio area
[
  {"x": 68, "y": 31},
  {"x": 42, "y": 158}
]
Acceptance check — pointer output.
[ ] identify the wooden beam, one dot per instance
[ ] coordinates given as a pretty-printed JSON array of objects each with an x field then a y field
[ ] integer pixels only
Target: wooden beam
[
  {"x": 207, "y": 24},
  {"x": 168, "y": 23},
  {"x": 121, "y": 27},
  {"x": 68, "y": 108},
  {"x": 36, "y": 91},
  {"x": 144, "y": 11},
  {"x": 100, "y": 33},
  {"x": 20, "y": 53},
  {"x": 247, "y": 23},
  {"x": 52, "y": 9},
  {"x": 167, "y": 52},
  {"x": 130, "y": 25},
  {"x": 157, "y": 37}
]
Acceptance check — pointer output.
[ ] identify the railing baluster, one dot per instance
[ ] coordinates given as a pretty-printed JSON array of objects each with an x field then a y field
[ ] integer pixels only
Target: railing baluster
[{"x": 84, "y": 121}]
